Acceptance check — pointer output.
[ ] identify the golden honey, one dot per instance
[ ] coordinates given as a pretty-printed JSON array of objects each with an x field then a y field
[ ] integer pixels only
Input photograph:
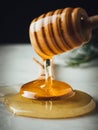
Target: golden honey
[
  {"x": 49, "y": 98},
  {"x": 77, "y": 105}
]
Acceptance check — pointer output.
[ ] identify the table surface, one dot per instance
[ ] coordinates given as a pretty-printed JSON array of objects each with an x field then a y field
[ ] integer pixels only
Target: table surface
[{"x": 17, "y": 67}]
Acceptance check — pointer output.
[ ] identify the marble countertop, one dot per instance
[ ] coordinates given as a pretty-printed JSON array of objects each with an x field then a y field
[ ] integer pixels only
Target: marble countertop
[{"x": 17, "y": 67}]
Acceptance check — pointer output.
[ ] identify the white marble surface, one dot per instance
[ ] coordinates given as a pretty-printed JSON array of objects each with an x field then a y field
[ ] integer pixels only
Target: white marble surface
[{"x": 17, "y": 67}]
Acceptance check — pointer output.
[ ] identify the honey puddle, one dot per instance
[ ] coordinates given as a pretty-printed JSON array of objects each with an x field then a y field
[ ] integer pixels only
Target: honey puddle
[
  {"x": 46, "y": 89},
  {"x": 78, "y": 104},
  {"x": 46, "y": 98}
]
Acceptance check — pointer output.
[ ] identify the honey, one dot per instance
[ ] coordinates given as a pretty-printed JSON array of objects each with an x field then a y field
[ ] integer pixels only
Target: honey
[
  {"x": 77, "y": 105},
  {"x": 48, "y": 98},
  {"x": 41, "y": 89},
  {"x": 47, "y": 87}
]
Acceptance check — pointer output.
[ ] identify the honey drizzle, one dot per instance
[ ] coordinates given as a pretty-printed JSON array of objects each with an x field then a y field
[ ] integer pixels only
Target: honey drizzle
[{"x": 47, "y": 87}]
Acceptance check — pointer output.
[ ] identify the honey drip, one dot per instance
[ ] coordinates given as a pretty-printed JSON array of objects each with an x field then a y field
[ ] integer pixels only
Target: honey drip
[{"x": 46, "y": 88}]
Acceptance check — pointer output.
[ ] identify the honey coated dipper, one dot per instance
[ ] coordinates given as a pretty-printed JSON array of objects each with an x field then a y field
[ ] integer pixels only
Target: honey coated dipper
[
  {"x": 53, "y": 33},
  {"x": 61, "y": 30}
]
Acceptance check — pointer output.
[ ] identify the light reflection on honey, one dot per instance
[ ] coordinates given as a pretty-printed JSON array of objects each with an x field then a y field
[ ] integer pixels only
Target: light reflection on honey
[
  {"x": 76, "y": 105},
  {"x": 41, "y": 89}
]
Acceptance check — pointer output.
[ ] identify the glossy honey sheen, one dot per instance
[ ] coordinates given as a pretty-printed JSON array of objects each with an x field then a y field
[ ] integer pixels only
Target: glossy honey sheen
[
  {"x": 46, "y": 89},
  {"x": 77, "y": 105}
]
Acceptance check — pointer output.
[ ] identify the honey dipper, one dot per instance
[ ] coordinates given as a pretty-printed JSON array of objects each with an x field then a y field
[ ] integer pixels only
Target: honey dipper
[
  {"x": 53, "y": 33},
  {"x": 61, "y": 30}
]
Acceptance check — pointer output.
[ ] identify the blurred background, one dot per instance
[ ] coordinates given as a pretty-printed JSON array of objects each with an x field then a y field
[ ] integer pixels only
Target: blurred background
[{"x": 16, "y": 15}]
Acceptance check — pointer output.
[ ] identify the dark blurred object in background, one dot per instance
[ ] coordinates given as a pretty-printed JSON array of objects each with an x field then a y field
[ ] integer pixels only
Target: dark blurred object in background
[{"x": 16, "y": 16}]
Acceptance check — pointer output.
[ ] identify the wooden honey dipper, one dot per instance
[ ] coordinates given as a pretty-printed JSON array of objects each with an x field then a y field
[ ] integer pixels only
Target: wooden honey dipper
[
  {"x": 51, "y": 34},
  {"x": 61, "y": 30}
]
